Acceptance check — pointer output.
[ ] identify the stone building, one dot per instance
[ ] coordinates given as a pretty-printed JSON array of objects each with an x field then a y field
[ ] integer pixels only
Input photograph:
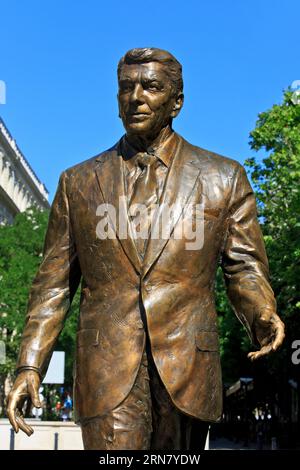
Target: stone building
[{"x": 20, "y": 188}]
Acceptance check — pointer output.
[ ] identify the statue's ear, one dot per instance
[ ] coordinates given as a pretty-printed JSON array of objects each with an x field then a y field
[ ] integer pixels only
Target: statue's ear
[{"x": 178, "y": 103}]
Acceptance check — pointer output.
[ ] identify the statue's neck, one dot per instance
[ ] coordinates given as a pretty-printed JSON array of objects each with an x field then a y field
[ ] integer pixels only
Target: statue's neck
[{"x": 142, "y": 143}]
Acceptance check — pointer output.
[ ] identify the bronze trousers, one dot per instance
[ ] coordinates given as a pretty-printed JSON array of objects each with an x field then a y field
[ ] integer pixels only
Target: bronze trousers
[{"x": 145, "y": 420}]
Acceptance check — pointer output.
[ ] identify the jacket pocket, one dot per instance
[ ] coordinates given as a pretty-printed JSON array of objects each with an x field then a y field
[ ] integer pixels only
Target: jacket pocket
[
  {"x": 88, "y": 337},
  {"x": 207, "y": 340}
]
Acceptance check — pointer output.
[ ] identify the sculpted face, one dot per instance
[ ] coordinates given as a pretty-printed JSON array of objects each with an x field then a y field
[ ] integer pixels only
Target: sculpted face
[{"x": 146, "y": 99}]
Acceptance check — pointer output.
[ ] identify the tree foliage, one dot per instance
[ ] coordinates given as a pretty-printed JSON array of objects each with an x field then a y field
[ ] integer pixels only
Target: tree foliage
[
  {"x": 275, "y": 179},
  {"x": 21, "y": 247}
]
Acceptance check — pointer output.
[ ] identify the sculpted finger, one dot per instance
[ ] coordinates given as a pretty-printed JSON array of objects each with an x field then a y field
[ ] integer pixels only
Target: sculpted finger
[
  {"x": 279, "y": 336},
  {"x": 11, "y": 410},
  {"x": 23, "y": 426},
  {"x": 264, "y": 351},
  {"x": 12, "y": 420},
  {"x": 33, "y": 390}
]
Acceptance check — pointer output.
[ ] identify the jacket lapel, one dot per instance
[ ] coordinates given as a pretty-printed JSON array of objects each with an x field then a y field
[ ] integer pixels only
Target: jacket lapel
[
  {"x": 110, "y": 175},
  {"x": 179, "y": 185},
  {"x": 181, "y": 179}
]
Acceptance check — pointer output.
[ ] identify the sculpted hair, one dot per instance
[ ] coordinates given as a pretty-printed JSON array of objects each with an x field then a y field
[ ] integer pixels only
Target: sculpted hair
[{"x": 152, "y": 54}]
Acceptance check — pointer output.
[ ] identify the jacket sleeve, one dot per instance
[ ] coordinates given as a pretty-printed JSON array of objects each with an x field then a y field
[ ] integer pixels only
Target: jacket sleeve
[
  {"x": 53, "y": 287},
  {"x": 245, "y": 264}
]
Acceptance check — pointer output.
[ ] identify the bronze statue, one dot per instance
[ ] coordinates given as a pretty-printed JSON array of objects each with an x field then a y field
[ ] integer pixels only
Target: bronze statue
[{"x": 147, "y": 361}]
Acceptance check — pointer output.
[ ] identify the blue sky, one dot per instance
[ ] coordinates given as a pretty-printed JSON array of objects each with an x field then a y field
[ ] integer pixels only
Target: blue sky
[{"x": 59, "y": 59}]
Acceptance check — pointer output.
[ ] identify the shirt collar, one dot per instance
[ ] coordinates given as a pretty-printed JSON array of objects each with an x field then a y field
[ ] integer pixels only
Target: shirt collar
[{"x": 164, "y": 148}]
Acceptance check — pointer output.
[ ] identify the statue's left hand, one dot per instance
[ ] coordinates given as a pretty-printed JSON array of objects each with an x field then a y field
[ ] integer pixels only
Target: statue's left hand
[{"x": 270, "y": 334}]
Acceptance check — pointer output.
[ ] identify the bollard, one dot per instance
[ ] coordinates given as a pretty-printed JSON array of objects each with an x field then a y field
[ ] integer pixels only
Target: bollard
[
  {"x": 56, "y": 441},
  {"x": 12, "y": 439},
  {"x": 273, "y": 443}
]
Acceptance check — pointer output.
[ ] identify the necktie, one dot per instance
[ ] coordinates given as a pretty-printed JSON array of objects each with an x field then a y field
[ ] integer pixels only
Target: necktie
[{"x": 145, "y": 194}]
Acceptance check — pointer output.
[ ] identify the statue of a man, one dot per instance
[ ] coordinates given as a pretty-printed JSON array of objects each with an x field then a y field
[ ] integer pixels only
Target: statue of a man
[{"x": 147, "y": 361}]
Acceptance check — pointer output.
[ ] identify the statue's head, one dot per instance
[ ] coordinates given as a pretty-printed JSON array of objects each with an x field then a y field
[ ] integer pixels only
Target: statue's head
[{"x": 150, "y": 90}]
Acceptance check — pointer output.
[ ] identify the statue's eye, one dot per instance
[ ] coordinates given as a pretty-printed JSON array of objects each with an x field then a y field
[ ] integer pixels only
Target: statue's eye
[
  {"x": 152, "y": 86},
  {"x": 126, "y": 86}
]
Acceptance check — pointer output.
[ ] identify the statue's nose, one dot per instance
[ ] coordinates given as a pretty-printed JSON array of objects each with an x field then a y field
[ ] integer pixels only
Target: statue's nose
[{"x": 137, "y": 93}]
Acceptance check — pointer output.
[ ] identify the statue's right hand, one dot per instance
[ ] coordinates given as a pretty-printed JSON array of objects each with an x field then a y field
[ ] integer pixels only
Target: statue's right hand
[{"x": 26, "y": 386}]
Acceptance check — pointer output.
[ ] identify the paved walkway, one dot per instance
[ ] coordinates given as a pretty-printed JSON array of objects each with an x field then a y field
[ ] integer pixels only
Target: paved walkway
[{"x": 227, "y": 444}]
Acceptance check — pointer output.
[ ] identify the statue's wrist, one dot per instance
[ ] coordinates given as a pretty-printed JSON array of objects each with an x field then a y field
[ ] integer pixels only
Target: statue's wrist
[{"x": 28, "y": 369}]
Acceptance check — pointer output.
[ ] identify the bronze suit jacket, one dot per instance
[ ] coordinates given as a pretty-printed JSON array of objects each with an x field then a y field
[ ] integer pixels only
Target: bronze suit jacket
[{"x": 176, "y": 284}]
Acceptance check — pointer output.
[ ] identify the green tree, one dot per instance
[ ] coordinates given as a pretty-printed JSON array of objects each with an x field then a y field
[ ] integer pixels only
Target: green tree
[
  {"x": 275, "y": 179},
  {"x": 234, "y": 341},
  {"x": 21, "y": 246}
]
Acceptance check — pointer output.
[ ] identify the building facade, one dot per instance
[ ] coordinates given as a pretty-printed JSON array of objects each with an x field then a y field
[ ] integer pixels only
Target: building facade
[{"x": 20, "y": 188}]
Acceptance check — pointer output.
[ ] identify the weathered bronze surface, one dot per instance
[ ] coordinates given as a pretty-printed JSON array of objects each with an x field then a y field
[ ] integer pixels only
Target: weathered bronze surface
[{"x": 162, "y": 290}]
